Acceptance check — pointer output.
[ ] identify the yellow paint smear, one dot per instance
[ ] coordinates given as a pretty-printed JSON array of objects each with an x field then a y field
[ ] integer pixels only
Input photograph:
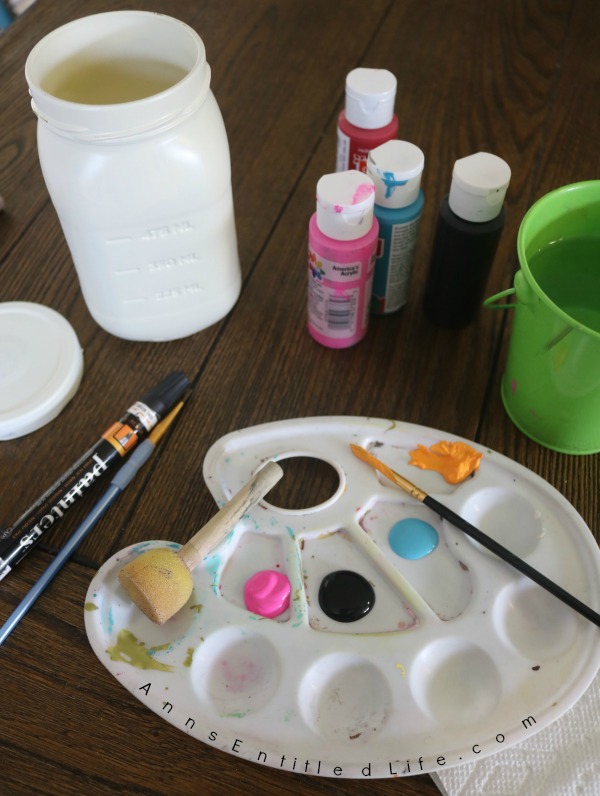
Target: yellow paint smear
[
  {"x": 455, "y": 461},
  {"x": 129, "y": 650}
]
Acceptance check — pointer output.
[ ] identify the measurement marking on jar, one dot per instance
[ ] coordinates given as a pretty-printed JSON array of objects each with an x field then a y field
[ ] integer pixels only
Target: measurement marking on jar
[
  {"x": 168, "y": 230},
  {"x": 177, "y": 292},
  {"x": 126, "y": 239},
  {"x": 121, "y": 271},
  {"x": 173, "y": 262}
]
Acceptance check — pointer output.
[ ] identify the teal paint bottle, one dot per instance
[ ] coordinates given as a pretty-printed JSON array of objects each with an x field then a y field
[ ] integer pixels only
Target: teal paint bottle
[{"x": 395, "y": 167}]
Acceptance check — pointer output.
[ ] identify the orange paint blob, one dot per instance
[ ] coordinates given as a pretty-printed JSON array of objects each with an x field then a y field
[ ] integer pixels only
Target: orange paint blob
[{"x": 455, "y": 461}]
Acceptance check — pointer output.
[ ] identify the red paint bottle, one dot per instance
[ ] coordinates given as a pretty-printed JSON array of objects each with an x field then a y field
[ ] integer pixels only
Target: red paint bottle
[{"x": 368, "y": 118}]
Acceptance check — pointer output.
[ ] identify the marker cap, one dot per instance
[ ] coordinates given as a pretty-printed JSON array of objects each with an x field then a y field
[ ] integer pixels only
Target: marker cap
[
  {"x": 396, "y": 167},
  {"x": 41, "y": 366},
  {"x": 479, "y": 184},
  {"x": 162, "y": 398},
  {"x": 370, "y": 97},
  {"x": 345, "y": 202}
]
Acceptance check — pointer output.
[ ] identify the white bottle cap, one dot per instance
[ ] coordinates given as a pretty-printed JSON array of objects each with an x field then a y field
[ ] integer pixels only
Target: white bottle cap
[
  {"x": 345, "y": 202},
  {"x": 396, "y": 167},
  {"x": 479, "y": 184},
  {"x": 41, "y": 365},
  {"x": 370, "y": 97}
]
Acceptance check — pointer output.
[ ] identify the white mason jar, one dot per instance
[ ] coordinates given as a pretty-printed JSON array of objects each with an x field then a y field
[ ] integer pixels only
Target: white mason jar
[{"x": 135, "y": 157}]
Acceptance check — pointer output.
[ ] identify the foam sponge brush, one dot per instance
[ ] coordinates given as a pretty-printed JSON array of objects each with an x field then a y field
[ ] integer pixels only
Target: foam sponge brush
[{"x": 159, "y": 581}]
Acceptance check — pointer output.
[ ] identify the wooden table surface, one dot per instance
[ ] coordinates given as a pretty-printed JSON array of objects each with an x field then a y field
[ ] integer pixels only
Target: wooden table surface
[{"x": 518, "y": 78}]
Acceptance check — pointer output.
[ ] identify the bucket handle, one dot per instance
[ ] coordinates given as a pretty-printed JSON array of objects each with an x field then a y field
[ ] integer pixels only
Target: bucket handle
[{"x": 492, "y": 302}]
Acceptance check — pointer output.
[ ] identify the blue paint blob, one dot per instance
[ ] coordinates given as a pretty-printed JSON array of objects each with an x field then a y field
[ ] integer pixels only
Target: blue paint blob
[{"x": 412, "y": 538}]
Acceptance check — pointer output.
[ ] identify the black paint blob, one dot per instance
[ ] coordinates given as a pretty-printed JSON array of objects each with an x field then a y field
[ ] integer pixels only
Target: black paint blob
[{"x": 346, "y": 596}]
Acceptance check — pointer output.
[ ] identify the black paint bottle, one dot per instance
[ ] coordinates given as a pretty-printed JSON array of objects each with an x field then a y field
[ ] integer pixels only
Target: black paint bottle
[{"x": 468, "y": 231}]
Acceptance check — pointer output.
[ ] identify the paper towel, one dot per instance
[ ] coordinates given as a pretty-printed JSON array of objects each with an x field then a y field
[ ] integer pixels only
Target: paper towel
[{"x": 561, "y": 760}]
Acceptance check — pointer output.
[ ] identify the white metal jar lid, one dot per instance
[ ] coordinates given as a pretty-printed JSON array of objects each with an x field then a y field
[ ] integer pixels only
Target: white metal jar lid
[{"x": 41, "y": 365}]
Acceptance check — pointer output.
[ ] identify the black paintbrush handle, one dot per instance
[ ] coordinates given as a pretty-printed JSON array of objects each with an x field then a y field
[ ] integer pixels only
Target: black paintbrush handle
[{"x": 512, "y": 559}]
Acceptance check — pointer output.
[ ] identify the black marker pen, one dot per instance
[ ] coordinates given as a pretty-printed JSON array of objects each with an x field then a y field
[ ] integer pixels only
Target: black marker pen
[{"x": 115, "y": 443}]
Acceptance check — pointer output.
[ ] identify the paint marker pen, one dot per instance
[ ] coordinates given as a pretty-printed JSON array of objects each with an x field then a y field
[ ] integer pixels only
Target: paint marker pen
[
  {"x": 119, "y": 482},
  {"x": 115, "y": 443},
  {"x": 368, "y": 118}
]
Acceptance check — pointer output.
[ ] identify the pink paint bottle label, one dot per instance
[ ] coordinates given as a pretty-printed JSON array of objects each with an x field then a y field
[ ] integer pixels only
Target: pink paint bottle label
[{"x": 341, "y": 259}]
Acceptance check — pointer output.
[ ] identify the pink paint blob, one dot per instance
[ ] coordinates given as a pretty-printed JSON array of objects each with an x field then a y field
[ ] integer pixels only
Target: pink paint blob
[
  {"x": 267, "y": 593},
  {"x": 363, "y": 192}
]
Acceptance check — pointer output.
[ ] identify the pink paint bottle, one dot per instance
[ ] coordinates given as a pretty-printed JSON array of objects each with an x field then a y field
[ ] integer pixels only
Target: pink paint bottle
[
  {"x": 368, "y": 119},
  {"x": 342, "y": 243}
]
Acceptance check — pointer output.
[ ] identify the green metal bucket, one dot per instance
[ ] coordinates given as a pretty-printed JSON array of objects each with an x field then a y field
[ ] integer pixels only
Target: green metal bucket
[{"x": 551, "y": 384}]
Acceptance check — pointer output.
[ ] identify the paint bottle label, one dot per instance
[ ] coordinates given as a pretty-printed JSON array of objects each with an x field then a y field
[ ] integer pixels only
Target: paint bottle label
[
  {"x": 351, "y": 154},
  {"x": 338, "y": 305},
  {"x": 395, "y": 256},
  {"x": 343, "y": 151}
]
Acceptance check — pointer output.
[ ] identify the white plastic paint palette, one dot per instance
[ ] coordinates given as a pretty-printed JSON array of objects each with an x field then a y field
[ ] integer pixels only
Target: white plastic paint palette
[{"x": 456, "y": 657}]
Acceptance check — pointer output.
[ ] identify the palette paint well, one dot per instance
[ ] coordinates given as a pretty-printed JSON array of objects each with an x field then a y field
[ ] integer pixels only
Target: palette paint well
[{"x": 443, "y": 655}]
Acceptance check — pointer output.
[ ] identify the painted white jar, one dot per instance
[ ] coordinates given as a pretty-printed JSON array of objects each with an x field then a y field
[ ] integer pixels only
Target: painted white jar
[{"x": 134, "y": 153}]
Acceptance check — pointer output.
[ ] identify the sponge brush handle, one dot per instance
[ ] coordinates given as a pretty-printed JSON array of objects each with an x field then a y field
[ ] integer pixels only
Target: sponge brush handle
[{"x": 227, "y": 518}]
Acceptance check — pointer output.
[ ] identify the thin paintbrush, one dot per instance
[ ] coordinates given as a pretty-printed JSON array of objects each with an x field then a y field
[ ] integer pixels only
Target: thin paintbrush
[
  {"x": 479, "y": 536},
  {"x": 124, "y": 476}
]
